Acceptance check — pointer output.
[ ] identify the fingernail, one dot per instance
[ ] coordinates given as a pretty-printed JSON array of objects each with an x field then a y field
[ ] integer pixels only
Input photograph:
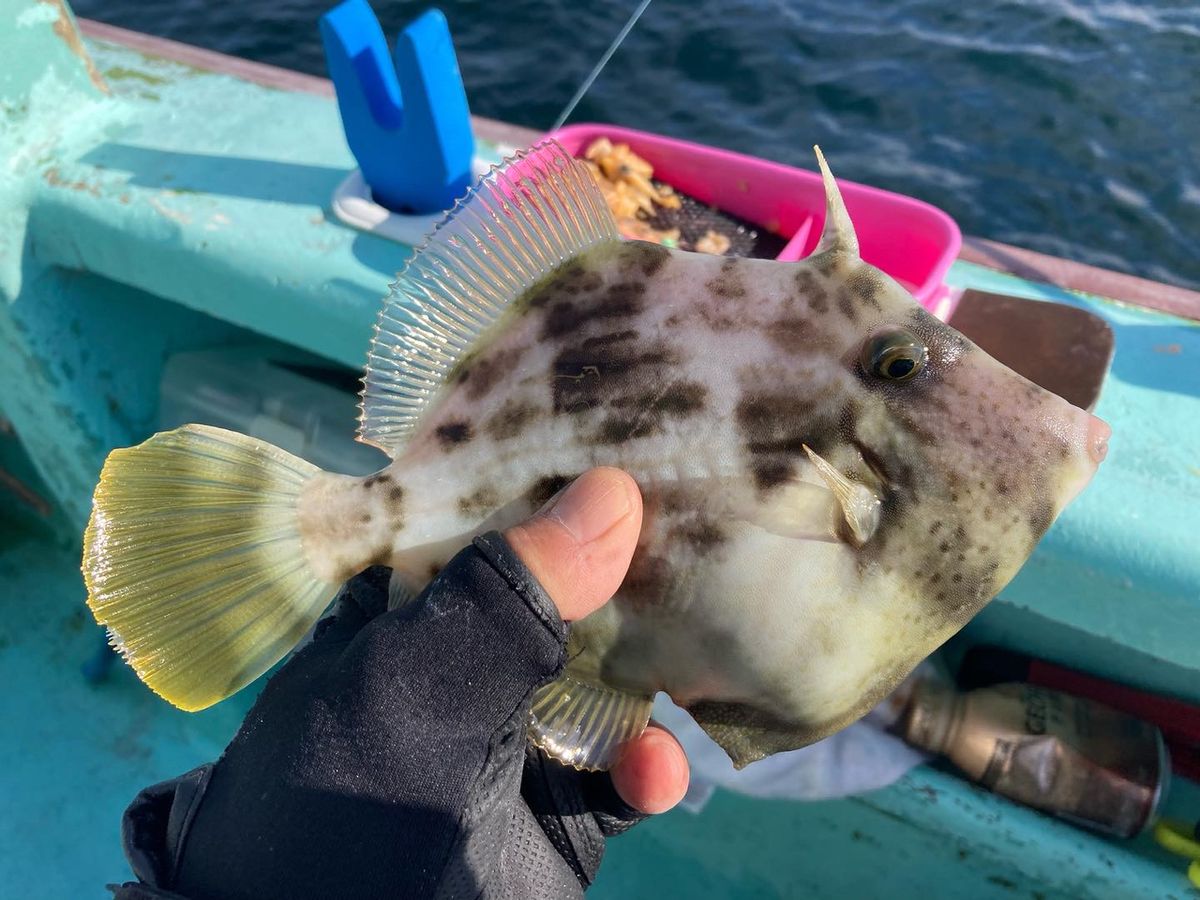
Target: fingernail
[{"x": 591, "y": 505}]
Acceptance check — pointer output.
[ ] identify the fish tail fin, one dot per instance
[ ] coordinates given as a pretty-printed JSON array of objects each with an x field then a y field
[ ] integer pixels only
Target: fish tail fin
[{"x": 193, "y": 560}]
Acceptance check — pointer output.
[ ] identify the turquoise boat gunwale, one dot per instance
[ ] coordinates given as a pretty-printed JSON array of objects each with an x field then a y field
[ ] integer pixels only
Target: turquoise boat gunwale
[{"x": 1028, "y": 264}]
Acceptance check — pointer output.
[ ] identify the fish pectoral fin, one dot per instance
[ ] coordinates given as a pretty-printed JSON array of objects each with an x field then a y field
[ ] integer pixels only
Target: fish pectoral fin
[
  {"x": 797, "y": 509},
  {"x": 817, "y": 512},
  {"x": 860, "y": 507},
  {"x": 584, "y": 724}
]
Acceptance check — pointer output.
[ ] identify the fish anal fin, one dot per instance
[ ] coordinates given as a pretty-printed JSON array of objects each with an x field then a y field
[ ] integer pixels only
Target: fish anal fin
[
  {"x": 525, "y": 218},
  {"x": 583, "y": 724},
  {"x": 400, "y": 592}
]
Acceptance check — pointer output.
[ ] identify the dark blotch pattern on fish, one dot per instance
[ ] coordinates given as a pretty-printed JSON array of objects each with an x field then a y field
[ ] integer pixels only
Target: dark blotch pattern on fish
[
  {"x": 643, "y": 413},
  {"x": 774, "y": 427},
  {"x": 769, "y": 473},
  {"x": 679, "y": 398},
  {"x": 728, "y": 284},
  {"x": 641, "y": 257},
  {"x": 1041, "y": 516},
  {"x": 847, "y": 303},
  {"x": 719, "y": 318},
  {"x": 865, "y": 285},
  {"x": 619, "y": 301},
  {"x": 683, "y": 514},
  {"x": 700, "y": 533},
  {"x": 545, "y": 488},
  {"x": 453, "y": 434},
  {"x": 791, "y": 334},
  {"x": 479, "y": 503},
  {"x": 648, "y": 582},
  {"x": 812, "y": 290},
  {"x": 774, "y": 423},
  {"x": 395, "y": 506},
  {"x": 589, "y": 374},
  {"x": 826, "y": 263},
  {"x": 378, "y": 478},
  {"x": 621, "y": 428},
  {"x": 570, "y": 279},
  {"x": 604, "y": 340},
  {"x": 511, "y": 419},
  {"x": 673, "y": 499},
  {"x": 482, "y": 374}
]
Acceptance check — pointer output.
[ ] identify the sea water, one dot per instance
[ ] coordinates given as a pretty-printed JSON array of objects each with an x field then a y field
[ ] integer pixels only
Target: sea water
[{"x": 1066, "y": 126}]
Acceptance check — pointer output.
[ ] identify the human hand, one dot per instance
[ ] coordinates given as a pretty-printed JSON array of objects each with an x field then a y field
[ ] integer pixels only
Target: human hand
[
  {"x": 389, "y": 757},
  {"x": 579, "y": 546}
]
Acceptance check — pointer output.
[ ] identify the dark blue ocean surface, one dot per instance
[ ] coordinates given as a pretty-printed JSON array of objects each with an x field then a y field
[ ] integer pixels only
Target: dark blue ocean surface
[{"x": 1069, "y": 127}]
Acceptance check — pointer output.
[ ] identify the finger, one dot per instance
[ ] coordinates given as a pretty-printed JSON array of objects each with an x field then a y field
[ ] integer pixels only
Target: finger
[
  {"x": 579, "y": 545},
  {"x": 652, "y": 774}
]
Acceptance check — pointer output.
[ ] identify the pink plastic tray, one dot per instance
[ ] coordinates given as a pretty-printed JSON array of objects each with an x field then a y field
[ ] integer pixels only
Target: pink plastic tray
[{"x": 912, "y": 241}]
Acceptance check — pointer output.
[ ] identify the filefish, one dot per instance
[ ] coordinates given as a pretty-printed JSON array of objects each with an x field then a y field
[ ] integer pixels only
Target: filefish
[{"x": 834, "y": 481}]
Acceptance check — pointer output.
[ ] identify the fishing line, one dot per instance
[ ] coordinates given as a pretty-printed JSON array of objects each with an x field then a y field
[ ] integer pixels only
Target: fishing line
[{"x": 587, "y": 83}]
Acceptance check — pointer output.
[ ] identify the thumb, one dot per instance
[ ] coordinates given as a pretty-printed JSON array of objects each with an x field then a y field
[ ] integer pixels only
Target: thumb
[{"x": 579, "y": 545}]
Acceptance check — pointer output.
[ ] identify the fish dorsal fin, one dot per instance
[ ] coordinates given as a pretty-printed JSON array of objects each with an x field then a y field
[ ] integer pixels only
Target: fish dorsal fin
[
  {"x": 838, "y": 236},
  {"x": 526, "y": 217}
]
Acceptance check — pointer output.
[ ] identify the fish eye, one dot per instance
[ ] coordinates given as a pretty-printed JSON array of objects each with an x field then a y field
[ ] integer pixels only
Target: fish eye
[{"x": 894, "y": 354}]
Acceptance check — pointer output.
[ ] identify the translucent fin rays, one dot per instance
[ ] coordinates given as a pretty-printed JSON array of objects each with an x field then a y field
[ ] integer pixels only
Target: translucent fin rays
[
  {"x": 528, "y": 216},
  {"x": 193, "y": 561}
]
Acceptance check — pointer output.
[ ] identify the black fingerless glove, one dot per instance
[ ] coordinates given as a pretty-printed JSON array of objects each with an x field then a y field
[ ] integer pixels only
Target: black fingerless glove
[{"x": 389, "y": 758}]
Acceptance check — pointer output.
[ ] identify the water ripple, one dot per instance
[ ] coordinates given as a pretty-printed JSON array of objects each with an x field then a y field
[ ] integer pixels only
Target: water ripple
[{"x": 1068, "y": 126}]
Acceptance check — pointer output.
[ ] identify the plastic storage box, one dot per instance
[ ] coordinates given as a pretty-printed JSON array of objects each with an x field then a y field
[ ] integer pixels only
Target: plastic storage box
[
  {"x": 912, "y": 241},
  {"x": 297, "y": 401}
]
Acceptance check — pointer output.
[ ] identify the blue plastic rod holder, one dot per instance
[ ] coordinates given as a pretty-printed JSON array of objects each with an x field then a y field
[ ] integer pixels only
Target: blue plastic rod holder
[{"x": 406, "y": 121}]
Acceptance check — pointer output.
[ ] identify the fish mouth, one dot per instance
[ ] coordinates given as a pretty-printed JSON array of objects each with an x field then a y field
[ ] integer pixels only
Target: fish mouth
[
  {"x": 1098, "y": 434},
  {"x": 1092, "y": 439}
]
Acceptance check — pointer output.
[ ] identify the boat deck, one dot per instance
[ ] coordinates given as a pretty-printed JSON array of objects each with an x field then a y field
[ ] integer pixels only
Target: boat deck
[{"x": 193, "y": 202}]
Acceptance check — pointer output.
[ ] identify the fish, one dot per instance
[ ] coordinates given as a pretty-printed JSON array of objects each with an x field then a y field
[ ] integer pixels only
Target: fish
[{"x": 834, "y": 480}]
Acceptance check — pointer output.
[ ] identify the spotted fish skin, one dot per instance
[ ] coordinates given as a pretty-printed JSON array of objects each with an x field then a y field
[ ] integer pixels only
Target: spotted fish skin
[
  {"x": 834, "y": 481},
  {"x": 705, "y": 378}
]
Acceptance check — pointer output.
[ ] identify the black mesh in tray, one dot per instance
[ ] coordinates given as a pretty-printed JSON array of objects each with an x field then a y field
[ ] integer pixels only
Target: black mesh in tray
[{"x": 694, "y": 219}]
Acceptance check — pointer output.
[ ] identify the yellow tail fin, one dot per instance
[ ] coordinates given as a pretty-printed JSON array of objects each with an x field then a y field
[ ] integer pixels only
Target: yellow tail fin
[{"x": 193, "y": 560}]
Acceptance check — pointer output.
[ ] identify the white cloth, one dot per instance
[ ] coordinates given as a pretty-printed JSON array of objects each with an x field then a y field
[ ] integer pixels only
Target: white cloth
[{"x": 860, "y": 758}]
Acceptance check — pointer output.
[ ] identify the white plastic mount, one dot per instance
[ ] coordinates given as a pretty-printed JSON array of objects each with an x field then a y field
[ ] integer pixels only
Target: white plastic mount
[{"x": 352, "y": 204}]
